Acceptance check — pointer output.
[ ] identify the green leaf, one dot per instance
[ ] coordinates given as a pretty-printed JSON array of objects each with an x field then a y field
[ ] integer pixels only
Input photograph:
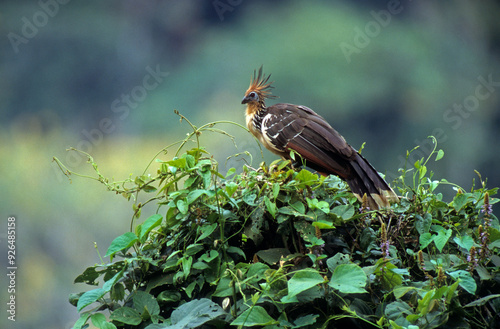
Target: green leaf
[
  {"x": 394, "y": 325},
  {"x": 249, "y": 199},
  {"x": 149, "y": 224},
  {"x": 169, "y": 296},
  {"x": 432, "y": 184},
  {"x": 191, "y": 161},
  {"x": 348, "y": 279},
  {"x": 98, "y": 320},
  {"x": 388, "y": 274},
  {"x": 200, "y": 265},
  {"x": 321, "y": 205},
  {"x": 183, "y": 206},
  {"x": 177, "y": 163},
  {"x": 324, "y": 207},
  {"x": 270, "y": 206},
  {"x": 459, "y": 201},
  {"x": 465, "y": 241},
  {"x": 206, "y": 230},
  {"x": 111, "y": 282},
  {"x": 439, "y": 155},
  {"x": 89, "y": 297},
  {"x": 108, "y": 325},
  {"x": 303, "y": 280},
  {"x": 148, "y": 188},
  {"x": 299, "y": 207},
  {"x": 305, "y": 321},
  {"x": 422, "y": 171},
  {"x": 451, "y": 292},
  {"x": 193, "y": 249},
  {"x": 425, "y": 239},
  {"x": 190, "y": 181},
  {"x": 187, "y": 262},
  {"x": 272, "y": 256},
  {"x": 276, "y": 190},
  {"x": 81, "y": 321},
  {"x": 345, "y": 211},
  {"x": 337, "y": 260},
  {"x": 189, "y": 289},
  {"x": 289, "y": 211},
  {"x": 482, "y": 301},
  {"x": 192, "y": 314},
  {"x": 88, "y": 276},
  {"x": 123, "y": 242},
  {"x": 442, "y": 238},
  {"x": 423, "y": 304},
  {"x": 144, "y": 302},
  {"x": 73, "y": 298},
  {"x": 254, "y": 316},
  {"x": 224, "y": 287},
  {"x": 193, "y": 195},
  {"x": 231, "y": 187},
  {"x": 465, "y": 280},
  {"x": 126, "y": 315},
  {"x": 117, "y": 292},
  {"x": 402, "y": 290},
  {"x": 423, "y": 224},
  {"x": 209, "y": 256},
  {"x": 483, "y": 273},
  {"x": 397, "y": 310},
  {"x": 368, "y": 239},
  {"x": 206, "y": 175},
  {"x": 230, "y": 172},
  {"x": 305, "y": 178},
  {"x": 257, "y": 271},
  {"x": 324, "y": 223},
  {"x": 236, "y": 250}
]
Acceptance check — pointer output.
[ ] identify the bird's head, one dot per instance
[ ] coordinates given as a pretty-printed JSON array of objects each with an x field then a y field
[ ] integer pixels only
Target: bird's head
[{"x": 258, "y": 91}]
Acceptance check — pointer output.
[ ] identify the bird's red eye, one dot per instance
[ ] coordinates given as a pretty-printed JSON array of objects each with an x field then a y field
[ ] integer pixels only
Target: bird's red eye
[{"x": 252, "y": 94}]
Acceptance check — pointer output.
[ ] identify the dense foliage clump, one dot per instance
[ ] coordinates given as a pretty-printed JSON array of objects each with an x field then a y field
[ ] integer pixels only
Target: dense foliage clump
[{"x": 279, "y": 247}]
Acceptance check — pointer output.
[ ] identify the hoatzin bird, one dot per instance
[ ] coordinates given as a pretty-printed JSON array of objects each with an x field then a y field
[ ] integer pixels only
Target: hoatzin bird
[{"x": 284, "y": 127}]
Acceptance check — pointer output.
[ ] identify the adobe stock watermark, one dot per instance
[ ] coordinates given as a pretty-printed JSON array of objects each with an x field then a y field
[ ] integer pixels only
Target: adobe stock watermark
[
  {"x": 453, "y": 116},
  {"x": 121, "y": 106},
  {"x": 11, "y": 267},
  {"x": 484, "y": 89},
  {"x": 372, "y": 29},
  {"x": 223, "y": 6},
  {"x": 31, "y": 26}
]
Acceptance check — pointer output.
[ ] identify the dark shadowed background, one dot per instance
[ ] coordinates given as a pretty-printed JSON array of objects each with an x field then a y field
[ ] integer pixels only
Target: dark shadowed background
[{"x": 106, "y": 76}]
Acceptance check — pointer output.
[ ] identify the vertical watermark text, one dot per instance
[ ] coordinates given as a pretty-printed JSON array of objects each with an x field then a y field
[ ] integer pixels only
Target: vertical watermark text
[{"x": 11, "y": 268}]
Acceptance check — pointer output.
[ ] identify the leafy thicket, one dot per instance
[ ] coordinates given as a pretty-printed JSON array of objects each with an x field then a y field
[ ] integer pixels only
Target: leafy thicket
[{"x": 279, "y": 247}]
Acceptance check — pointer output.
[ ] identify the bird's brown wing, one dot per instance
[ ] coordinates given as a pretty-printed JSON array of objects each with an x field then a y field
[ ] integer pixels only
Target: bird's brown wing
[
  {"x": 288, "y": 127},
  {"x": 291, "y": 127}
]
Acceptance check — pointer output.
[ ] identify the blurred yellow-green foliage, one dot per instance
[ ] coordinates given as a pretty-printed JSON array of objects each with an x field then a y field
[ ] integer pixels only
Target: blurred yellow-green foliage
[{"x": 388, "y": 73}]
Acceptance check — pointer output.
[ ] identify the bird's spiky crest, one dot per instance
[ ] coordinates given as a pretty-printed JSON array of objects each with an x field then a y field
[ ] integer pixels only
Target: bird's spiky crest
[{"x": 260, "y": 85}]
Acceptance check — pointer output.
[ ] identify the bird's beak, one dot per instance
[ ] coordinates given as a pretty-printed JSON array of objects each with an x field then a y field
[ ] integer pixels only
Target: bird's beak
[{"x": 245, "y": 100}]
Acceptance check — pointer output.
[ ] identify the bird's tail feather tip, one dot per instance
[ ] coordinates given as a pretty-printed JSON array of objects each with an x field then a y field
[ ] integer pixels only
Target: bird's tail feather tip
[{"x": 377, "y": 201}]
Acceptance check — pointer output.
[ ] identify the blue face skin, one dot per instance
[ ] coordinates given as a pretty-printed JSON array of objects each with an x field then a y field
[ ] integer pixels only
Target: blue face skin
[{"x": 251, "y": 97}]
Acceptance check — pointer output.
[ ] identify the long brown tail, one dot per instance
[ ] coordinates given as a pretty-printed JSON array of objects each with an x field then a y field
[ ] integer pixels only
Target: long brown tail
[{"x": 366, "y": 181}]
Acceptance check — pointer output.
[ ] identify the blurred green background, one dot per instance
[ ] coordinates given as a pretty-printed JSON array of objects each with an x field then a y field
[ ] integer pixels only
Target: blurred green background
[{"x": 105, "y": 77}]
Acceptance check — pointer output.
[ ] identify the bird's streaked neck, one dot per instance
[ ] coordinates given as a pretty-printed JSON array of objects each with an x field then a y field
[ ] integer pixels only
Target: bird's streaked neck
[
  {"x": 252, "y": 110},
  {"x": 254, "y": 107}
]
